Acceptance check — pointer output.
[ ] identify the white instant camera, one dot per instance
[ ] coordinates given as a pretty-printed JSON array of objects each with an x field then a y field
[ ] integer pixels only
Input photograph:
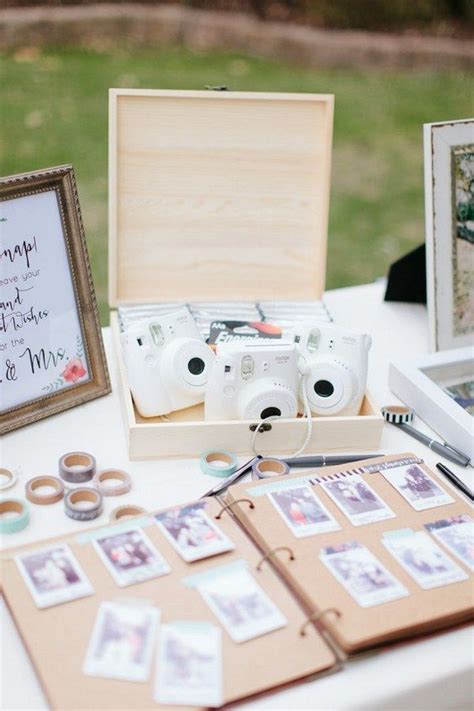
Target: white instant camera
[
  {"x": 252, "y": 381},
  {"x": 335, "y": 369},
  {"x": 168, "y": 363}
]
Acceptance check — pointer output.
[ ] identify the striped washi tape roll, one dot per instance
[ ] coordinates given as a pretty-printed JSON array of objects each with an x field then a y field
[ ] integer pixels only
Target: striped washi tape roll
[{"x": 397, "y": 414}]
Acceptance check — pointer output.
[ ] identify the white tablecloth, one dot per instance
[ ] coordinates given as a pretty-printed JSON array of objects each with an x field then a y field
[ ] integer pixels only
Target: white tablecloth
[{"x": 432, "y": 673}]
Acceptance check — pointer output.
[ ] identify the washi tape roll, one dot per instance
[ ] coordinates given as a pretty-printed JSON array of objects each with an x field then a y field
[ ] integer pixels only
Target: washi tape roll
[
  {"x": 112, "y": 489},
  {"x": 126, "y": 511},
  {"x": 77, "y": 467},
  {"x": 20, "y": 518},
  {"x": 267, "y": 468},
  {"x": 397, "y": 414},
  {"x": 7, "y": 479},
  {"x": 221, "y": 464},
  {"x": 51, "y": 497},
  {"x": 74, "y": 500}
]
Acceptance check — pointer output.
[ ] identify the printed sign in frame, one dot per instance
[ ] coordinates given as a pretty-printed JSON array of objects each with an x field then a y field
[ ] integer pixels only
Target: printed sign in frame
[{"x": 51, "y": 351}]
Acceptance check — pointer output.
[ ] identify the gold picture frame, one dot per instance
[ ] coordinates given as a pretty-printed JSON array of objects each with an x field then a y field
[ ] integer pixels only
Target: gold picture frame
[{"x": 50, "y": 339}]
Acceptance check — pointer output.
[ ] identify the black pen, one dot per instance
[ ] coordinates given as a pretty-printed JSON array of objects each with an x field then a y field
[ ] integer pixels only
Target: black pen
[
  {"x": 455, "y": 480},
  {"x": 321, "y": 460}
]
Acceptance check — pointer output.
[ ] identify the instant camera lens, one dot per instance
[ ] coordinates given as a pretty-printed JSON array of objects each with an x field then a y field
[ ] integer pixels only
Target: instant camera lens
[
  {"x": 270, "y": 412},
  {"x": 196, "y": 366},
  {"x": 323, "y": 388}
]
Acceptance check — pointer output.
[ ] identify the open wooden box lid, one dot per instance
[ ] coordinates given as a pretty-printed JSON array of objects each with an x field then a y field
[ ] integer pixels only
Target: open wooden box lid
[{"x": 218, "y": 195}]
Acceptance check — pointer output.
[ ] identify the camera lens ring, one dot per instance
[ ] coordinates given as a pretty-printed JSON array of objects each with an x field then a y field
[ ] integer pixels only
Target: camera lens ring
[
  {"x": 336, "y": 376},
  {"x": 267, "y": 393},
  {"x": 174, "y": 365}
]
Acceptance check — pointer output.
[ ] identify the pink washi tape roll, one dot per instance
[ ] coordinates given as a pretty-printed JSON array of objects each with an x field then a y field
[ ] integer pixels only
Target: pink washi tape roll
[{"x": 123, "y": 487}]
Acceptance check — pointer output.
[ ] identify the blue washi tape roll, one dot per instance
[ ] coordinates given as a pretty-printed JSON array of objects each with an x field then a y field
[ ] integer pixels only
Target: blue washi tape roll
[
  {"x": 218, "y": 463},
  {"x": 267, "y": 468},
  {"x": 17, "y": 522}
]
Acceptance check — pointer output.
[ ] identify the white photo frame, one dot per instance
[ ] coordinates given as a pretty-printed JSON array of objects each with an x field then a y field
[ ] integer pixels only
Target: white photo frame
[
  {"x": 449, "y": 223},
  {"x": 422, "y": 386}
]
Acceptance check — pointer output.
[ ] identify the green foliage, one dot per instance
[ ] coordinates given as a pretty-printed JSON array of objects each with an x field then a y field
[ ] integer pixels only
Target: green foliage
[{"x": 54, "y": 111}]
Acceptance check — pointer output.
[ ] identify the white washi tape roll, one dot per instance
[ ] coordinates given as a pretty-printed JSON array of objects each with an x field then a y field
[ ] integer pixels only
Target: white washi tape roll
[{"x": 7, "y": 478}]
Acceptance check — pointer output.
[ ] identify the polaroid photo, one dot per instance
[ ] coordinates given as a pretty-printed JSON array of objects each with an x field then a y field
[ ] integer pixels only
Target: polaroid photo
[
  {"x": 189, "y": 670},
  {"x": 424, "y": 560},
  {"x": 53, "y": 575},
  {"x": 240, "y": 604},
  {"x": 361, "y": 574},
  {"x": 417, "y": 487},
  {"x": 192, "y": 532},
  {"x": 122, "y": 642},
  {"x": 357, "y": 501},
  {"x": 302, "y": 511},
  {"x": 130, "y": 557},
  {"x": 457, "y": 535}
]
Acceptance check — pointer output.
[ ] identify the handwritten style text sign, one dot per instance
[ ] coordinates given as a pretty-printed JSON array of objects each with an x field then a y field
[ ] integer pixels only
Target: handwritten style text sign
[{"x": 41, "y": 342}]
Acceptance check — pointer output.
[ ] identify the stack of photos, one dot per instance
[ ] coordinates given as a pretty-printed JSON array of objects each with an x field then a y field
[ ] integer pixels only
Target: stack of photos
[
  {"x": 302, "y": 511},
  {"x": 53, "y": 575},
  {"x": 192, "y": 532},
  {"x": 417, "y": 487},
  {"x": 130, "y": 557},
  {"x": 419, "y": 555},
  {"x": 362, "y": 575}
]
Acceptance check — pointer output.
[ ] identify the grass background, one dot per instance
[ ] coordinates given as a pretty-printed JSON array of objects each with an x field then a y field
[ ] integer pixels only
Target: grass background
[{"x": 53, "y": 110}]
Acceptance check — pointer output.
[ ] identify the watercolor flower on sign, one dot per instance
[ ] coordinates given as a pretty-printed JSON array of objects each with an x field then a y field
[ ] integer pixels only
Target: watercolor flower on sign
[{"x": 74, "y": 371}]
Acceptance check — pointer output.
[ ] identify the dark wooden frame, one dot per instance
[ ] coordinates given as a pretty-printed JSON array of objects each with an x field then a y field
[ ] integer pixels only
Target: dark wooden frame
[{"x": 62, "y": 181}]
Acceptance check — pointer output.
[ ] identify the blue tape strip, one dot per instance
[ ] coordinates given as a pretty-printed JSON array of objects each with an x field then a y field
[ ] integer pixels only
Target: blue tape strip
[
  {"x": 272, "y": 486},
  {"x": 399, "y": 533},
  {"x": 138, "y": 522},
  {"x": 195, "y": 581}
]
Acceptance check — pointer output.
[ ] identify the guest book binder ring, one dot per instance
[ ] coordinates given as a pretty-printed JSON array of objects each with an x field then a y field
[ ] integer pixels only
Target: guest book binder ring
[
  {"x": 316, "y": 616},
  {"x": 274, "y": 550},
  {"x": 237, "y": 501}
]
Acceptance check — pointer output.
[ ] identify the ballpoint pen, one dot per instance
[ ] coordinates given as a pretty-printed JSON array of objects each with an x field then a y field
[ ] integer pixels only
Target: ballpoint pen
[
  {"x": 455, "y": 480},
  {"x": 400, "y": 417}
]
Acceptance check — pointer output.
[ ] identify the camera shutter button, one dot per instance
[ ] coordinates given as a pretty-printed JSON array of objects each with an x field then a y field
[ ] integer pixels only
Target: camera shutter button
[{"x": 150, "y": 361}]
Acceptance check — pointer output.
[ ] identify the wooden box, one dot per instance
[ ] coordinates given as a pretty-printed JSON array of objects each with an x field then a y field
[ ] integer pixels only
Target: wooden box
[{"x": 221, "y": 195}]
